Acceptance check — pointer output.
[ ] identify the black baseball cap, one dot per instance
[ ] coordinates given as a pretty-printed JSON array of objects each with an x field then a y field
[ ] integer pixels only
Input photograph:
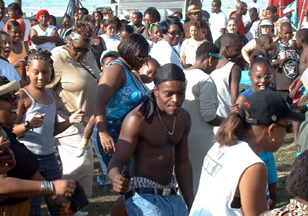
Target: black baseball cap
[
  {"x": 266, "y": 107},
  {"x": 168, "y": 72}
]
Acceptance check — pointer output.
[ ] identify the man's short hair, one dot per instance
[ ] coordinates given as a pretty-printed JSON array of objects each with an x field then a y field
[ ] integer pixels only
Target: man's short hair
[
  {"x": 303, "y": 34},
  {"x": 218, "y": 2},
  {"x": 229, "y": 38},
  {"x": 204, "y": 49},
  {"x": 154, "y": 13},
  {"x": 139, "y": 14}
]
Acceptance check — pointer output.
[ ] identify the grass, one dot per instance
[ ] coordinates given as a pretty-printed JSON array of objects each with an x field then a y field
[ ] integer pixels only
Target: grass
[{"x": 102, "y": 201}]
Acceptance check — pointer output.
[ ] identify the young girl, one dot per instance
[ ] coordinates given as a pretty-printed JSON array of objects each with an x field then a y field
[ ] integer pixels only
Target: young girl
[
  {"x": 110, "y": 36},
  {"x": 36, "y": 124},
  {"x": 261, "y": 77},
  {"x": 190, "y": 45}
]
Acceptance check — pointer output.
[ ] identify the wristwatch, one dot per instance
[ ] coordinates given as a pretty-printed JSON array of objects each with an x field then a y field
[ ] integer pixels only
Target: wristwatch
[{"x": 27, "y": 125}]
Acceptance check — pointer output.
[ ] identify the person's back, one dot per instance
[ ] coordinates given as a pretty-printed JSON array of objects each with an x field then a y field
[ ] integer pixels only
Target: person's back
[{"x": 216, "y": 195}]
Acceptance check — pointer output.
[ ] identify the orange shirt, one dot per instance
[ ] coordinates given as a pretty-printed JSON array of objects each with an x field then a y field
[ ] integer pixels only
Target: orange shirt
[{"x": 13, "y": 57}]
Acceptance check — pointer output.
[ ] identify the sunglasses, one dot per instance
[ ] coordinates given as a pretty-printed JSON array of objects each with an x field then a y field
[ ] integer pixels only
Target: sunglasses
[
  {"x": 267, "y": 77},
  {"x": 175, "y": 33},
  {"x": 10, "y": 97},
  {"x": 287, "y": 127},
  {"x": 77, "y": 49},
  {"x": 145, "y": 59},
  {"x": 152, "y": 25}
]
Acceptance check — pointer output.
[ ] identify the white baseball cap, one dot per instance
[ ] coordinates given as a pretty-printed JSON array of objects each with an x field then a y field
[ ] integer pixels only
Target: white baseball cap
[{"x": 287, "y": 10}]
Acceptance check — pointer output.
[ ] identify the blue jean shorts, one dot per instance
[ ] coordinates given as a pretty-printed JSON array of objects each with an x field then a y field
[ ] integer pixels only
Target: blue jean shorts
[{"x": 155, "y": 205}]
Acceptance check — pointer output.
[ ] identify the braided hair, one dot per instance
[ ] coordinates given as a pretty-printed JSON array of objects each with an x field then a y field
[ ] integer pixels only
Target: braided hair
[{"x": 40, "y": 55}]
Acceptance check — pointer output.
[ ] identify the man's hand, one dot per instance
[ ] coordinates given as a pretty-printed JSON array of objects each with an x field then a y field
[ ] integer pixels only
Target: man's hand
[{"x": 120, "y": 184}]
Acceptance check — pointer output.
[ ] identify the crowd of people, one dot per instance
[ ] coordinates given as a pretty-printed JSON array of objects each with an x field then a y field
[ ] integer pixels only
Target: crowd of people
[{"x": 161, "y": 100}]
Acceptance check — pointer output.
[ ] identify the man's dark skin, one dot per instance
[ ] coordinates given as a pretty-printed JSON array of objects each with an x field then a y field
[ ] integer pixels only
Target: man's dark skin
[
  {"x": 137, "y": 21},
  {"x": 216, "y": 8},
  {"x": 153, "y": 151}
]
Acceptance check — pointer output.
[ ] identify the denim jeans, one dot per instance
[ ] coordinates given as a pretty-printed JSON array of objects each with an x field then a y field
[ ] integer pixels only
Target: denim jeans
[
  {"x": 155, "y": 205},
  {"x": 113, "y": 127}
]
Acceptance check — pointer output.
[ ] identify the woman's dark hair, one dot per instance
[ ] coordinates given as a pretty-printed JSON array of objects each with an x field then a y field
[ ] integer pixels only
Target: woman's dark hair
[
  {"x": 232, "y": 129},
  {"x": 297, "y": 181},
  {"x": 131, "y": 47},
  {"x": 107, "y": 22},
  {"x": 127, "y": 28},
  {"x": 83, "y": 28},
  {"x": 39, "y": 55},
  {"x": 152, "y": 11},
  {"x": 165, "y": 25},
  {"x": 12, "y": 24},
  {"x": 118, "y": 21},
  {"x": 15, "y": 6}
]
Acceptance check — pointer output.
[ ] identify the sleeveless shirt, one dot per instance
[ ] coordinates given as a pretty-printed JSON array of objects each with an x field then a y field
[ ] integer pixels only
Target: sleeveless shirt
[{"x": 40, "y": 140}]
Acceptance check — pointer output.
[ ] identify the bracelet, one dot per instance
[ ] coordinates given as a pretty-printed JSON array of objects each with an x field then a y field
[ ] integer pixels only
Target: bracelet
[{"x": 47, "y": 188}]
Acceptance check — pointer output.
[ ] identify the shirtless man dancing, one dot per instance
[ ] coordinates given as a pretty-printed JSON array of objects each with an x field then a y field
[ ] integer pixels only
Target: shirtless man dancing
[{"x": 155, "y": 135}]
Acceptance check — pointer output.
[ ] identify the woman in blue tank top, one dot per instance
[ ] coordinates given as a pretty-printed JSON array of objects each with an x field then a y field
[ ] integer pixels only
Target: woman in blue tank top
[{"x": 119, "y": 91}]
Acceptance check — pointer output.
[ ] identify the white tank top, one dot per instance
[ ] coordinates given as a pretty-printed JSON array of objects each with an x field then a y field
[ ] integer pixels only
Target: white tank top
[
  {"x": 40, "y": 32},
  {"x": 221, "y": 171},
  {"x": 221, "y": 78}
]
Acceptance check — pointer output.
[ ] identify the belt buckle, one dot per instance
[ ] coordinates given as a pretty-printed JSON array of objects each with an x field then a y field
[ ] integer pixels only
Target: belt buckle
[{"x": 166, "y": 192}]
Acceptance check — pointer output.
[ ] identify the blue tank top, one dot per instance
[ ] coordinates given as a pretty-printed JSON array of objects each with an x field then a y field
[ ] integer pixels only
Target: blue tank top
[{"x": 127, "y": 97}]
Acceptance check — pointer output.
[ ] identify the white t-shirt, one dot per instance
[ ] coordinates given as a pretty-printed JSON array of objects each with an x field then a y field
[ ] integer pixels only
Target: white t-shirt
[
  {"x": 112, "y": 42},
  {"x": 217, "y": 22},
  {"x": 201, "y": 102},
  {"x": 189, "y": 48},
  {"x": 164, "y": 53},
  {"x": 8, "y": 70},
  {"x": 40, "y": 32}
]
